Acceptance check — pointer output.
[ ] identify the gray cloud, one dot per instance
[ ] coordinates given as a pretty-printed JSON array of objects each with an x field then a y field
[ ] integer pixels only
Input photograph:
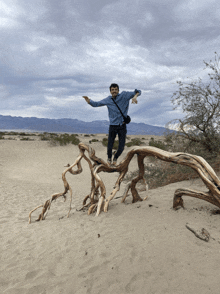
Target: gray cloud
[{"x": 54, "y": 52}]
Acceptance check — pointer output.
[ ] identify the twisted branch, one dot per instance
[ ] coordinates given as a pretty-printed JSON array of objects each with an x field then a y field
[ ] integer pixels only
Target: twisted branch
[{"x": 97, "y": 165}]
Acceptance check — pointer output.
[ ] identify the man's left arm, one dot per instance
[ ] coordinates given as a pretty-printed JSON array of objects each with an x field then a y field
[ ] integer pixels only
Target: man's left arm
[
  {"x": 135, "y": 95},
  {"x": 134, "y": 99},
  {"x": 132, "y": 95}
]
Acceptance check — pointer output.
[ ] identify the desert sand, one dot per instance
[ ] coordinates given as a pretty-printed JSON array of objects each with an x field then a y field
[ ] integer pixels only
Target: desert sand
[{"x": 139, "y": 248}]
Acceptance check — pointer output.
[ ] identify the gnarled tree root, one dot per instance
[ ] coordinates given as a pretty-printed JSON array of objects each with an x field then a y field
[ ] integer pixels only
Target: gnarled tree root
[{"x": 97, "y": 200}]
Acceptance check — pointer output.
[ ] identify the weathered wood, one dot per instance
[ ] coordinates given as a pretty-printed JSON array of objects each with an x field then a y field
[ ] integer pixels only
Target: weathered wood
[
  {"x": 202, "y": 234},
  {"x": 98, "y": 192}
]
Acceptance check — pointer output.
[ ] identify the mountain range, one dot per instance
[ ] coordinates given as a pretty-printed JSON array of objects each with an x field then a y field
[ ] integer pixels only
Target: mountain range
[{"x": 66, "y": 125}]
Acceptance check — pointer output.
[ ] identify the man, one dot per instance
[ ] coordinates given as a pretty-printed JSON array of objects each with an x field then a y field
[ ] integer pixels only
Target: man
[{"x": 117, "y": 125}]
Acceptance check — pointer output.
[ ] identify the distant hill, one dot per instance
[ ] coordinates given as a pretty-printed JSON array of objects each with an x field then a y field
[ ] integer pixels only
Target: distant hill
[{"x": 72, "y": 126}]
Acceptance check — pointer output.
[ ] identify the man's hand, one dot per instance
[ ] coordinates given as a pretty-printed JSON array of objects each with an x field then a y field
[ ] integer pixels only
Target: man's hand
[
  {"x": 134, "y": 99},
  {"x": 87, "y": 99}
]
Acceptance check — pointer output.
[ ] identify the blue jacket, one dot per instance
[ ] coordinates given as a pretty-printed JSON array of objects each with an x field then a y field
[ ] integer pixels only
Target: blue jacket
[{"x": 122, "y": 100}]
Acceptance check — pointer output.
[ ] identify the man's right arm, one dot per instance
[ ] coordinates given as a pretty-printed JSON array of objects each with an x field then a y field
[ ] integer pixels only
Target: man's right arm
[
  {"x": 96, "y": 103},
  {"x": 87, "y": 99}
]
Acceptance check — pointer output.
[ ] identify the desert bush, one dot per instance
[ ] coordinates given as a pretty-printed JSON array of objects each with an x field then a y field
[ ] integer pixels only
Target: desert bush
[
  {"x": 176, "y": 142},
  {"x": 26, "y": 139},
  {"x": 64, "y": 139},
  {"x": 200, "y": 103},
  {"x": 93, "y": 140},
  {"x": 12, "y": 133},
  {"x": 45, "y": 137},
  {"x": 59, "y": 139},
  {"x": 158, "y": 143},
  {"x": 160, "y": 173},
  {"x": 134, "y": 142},
  {"x": 105, "y": 143},
  {"x": 24, "y": 134}
]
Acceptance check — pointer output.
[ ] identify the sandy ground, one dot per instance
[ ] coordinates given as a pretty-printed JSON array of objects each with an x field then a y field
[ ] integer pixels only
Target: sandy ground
[{"x": 134, "y": 248}]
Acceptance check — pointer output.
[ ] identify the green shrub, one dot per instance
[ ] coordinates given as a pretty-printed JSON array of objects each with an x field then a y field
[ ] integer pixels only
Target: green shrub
[
  {"x": 134, "y": 142},
  {"x": 44, "y": 137},
  {"x": 93, "y": 140},
  {"x": 159, "y": 144},
  {"x": 105, "y": 143},
  {"x": 12, "y": 133},
  {"x": 24, "y": 134},
  {"x": 60, "y": 139},
  {"x": 26, "y": 139},
  {"x": 64, "y": 139}
]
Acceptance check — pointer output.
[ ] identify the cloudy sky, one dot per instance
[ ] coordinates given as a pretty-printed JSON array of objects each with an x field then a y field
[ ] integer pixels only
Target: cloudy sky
[{"x": 53, "y": 52}]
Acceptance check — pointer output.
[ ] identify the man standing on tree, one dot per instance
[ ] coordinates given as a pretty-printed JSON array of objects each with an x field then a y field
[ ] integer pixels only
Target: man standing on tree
[{"x": 117, "y": 124}]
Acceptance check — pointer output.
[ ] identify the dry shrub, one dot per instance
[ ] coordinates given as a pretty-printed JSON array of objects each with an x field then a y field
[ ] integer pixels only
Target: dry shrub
[{"x": 159, "y": 173}]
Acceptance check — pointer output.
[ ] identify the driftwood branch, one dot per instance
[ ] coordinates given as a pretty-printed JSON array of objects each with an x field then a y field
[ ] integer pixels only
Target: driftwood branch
[
  {"x": 202, "y": 234},
  {"x": 97, "y": 200}
]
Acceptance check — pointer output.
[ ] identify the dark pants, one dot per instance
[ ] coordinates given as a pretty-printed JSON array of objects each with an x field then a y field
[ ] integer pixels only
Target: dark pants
[{"x": 113, "y": 131}]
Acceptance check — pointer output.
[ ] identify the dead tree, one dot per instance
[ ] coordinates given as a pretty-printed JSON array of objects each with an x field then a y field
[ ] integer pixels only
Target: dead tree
[{"x": 97, "y": 197}]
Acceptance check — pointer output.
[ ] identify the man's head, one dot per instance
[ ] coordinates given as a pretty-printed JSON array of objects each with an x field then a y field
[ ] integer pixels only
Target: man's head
[{"x": 114, "y": 90}]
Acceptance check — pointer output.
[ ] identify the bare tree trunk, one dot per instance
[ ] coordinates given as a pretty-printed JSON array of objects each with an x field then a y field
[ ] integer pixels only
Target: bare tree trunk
[{"x": 97, "y": 200}]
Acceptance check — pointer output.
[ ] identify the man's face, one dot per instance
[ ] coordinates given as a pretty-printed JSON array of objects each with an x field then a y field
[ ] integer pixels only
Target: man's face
[{"x": 114, "y": 91}]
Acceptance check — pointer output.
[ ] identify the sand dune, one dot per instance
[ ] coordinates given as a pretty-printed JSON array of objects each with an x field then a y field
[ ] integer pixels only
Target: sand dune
[{"x": 134, "y": 248}]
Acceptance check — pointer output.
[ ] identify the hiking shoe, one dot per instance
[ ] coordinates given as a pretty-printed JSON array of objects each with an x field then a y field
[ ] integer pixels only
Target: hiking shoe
[{"x": 114, "y": 162}]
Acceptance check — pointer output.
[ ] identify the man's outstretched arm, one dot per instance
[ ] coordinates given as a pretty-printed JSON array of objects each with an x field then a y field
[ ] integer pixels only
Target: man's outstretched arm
[
  {"x": 87, "y": 99},
  {"x": 134, "y": 99},
  {"x": 95, "y": 103},
  {"x": 137, "y": 93}
]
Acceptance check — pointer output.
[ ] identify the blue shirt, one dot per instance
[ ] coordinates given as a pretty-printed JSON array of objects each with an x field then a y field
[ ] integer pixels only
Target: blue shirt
[{"x": 122, "y": 100}]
